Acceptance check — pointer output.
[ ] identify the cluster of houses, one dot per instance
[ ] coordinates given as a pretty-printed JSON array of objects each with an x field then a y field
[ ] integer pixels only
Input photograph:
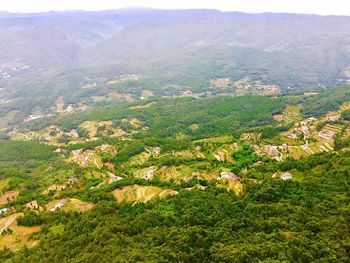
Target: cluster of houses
[
  {"x": 4, "y": 210},
  {"x": 228, "y": 176},
  {"x": 6, "y": 69},
  {"x": 305, "y": 130},
  {"x": 112, "y": 179},
  {"x": 149, "y": 174},
  {"x": 59, "y": 205},
  {"x": 157, "y": 150},
  {"x": 286, "y": 176},
  {"x": 33, "y": 117}
]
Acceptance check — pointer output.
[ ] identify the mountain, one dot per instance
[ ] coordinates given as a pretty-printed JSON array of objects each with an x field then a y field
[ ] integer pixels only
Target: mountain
[
  {"x": 288, "y": 50},
  {"x": 90, "y": 59}
]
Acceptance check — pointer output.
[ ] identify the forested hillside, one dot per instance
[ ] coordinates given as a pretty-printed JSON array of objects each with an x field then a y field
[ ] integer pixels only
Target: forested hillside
[
  {"x": 303, "y": 220},
  {"x": 223, "y": 179}
]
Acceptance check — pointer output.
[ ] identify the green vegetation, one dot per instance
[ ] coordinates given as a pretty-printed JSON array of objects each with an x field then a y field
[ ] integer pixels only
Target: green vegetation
[
  {"x": 30, "y": 219},
  {"x": 245, "y": 157},
  {"x": 128, "y": 151},
  {"x": 329, "y": 100},
  {"x": 173, "y": 117},
  {"x": 271, "y": 131},
  {"x": 21, "y": 151},
  {"x": 272, "y": 221},
  {"x": 346, "y": 115},
  {"x": 188, "y": 180}
]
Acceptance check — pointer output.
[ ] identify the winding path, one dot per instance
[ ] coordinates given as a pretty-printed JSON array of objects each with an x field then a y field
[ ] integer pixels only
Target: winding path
[
  {"x": 281, "y": 154},
  {"x": 8, "y": 223}
]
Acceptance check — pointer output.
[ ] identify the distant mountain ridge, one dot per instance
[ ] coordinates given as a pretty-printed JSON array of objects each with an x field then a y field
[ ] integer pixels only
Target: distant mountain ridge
[{"x": 54, "y": 54}]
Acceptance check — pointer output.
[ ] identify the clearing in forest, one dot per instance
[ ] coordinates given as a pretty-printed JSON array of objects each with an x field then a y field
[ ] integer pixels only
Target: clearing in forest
[
  {"x": 70, "y": 204},
  {"x": 137, "y": 193},
  {"x": 8, "y": 196},
  {"x": 17, "y": 237}
]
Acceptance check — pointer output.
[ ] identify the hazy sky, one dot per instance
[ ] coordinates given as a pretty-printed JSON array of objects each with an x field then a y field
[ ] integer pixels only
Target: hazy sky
[{"x": 323, "y": 7}]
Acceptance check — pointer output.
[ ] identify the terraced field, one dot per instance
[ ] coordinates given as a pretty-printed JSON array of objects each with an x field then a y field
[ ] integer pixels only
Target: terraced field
[
  {"x": 333, "y": 127},
  {"x": 69, "y": 204},
  {"x": 292, "y": 114},
  {"x": 143, "y": 194}
]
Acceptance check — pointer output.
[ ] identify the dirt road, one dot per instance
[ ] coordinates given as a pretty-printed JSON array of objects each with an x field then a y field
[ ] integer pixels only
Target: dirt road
[{"x": 8, "y": 223}]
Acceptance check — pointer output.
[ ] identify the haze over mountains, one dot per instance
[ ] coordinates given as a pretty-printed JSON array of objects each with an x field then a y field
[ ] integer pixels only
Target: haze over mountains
[{"x": 47, "y": 56}]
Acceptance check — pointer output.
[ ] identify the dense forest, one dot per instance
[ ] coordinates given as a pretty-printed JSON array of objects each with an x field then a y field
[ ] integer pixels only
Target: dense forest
[
  {"x": 302, "y": 221},
  {"x": 328, "y": 100},
  {"x": 169, "y": 117}
]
